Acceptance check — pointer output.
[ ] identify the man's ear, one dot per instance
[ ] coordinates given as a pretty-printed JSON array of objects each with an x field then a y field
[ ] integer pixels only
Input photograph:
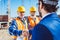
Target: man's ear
[{"x": 41, "y": 6}]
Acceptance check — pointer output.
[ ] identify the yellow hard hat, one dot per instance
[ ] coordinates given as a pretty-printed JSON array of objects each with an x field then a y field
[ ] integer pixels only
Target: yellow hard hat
[
  {"x": 21, "y": 9},
  {"x": 32, "y": 9}
]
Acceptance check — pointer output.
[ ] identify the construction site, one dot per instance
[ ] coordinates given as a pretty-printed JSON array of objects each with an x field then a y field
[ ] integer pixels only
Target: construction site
[
  {"x": 6, "y": 15},
  {"x": 8, "y": 11}
]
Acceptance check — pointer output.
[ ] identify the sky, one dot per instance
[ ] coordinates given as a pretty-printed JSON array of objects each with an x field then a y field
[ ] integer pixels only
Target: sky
[{"x": 14, "y": 4}]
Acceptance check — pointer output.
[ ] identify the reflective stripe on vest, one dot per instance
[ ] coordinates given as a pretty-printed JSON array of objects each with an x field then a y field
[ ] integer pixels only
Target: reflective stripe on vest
[{"x": 20, "y": 24}]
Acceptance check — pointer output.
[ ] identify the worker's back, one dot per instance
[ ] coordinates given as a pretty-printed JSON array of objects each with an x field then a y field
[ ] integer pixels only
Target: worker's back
[{"x": 47, "y": 29}]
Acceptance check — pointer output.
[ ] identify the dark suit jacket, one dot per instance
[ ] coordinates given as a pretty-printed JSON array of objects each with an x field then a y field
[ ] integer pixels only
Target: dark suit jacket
[{"x": 47, "y": 29}]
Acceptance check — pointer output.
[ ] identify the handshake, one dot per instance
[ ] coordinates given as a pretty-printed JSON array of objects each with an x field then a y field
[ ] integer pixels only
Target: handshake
[{"x": 25, "y": 33}]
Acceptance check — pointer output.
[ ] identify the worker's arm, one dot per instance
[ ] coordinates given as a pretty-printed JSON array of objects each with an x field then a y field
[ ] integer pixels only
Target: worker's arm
[{"x": 13, "y": 30}]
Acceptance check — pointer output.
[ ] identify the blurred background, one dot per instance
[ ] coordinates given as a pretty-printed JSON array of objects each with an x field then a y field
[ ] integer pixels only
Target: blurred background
[{"x": 8, "y": 11}]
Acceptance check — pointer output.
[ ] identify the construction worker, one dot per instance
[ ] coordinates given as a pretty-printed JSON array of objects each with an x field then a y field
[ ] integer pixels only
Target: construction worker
[
  {"x": 49, "y": 26},
  {"x": 19, "y": 25},
  {"x": 33, "y": 20}
]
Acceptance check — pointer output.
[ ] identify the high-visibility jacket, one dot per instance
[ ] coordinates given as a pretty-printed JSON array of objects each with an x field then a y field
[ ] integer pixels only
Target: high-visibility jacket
[
  {"x": 33, "y": 22},
  {"x": 20, "y": 27}
]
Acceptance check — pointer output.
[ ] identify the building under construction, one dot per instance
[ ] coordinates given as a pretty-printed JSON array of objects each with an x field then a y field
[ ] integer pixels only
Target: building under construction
[{"x": 3, "y": 21}]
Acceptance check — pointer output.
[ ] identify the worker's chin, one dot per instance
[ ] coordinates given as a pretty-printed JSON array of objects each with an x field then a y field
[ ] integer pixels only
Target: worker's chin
[
  {"x": 32, "y": 15},
  {"x": 21, "y": 16}
]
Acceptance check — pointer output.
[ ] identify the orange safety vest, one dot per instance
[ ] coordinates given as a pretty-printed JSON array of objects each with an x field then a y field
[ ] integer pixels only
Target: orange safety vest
[
  {"x": 32, "y": 22},
  {"x": 20, "y": 27}
]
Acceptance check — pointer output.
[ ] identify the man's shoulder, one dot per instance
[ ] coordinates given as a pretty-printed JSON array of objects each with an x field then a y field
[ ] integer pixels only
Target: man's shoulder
[
  {"x": 52, "y": 18},
  {"x": 13, "y": 21},
  {"x": 51, "y": 23}
]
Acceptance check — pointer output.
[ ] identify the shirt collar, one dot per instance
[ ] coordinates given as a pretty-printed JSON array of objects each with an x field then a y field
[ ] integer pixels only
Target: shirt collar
[
  {"x": 21, "y": 18},
  {"x": 46, "y": 15}
]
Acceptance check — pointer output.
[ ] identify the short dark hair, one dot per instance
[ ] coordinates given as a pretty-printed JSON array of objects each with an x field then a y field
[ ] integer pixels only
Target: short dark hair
[{"x": 48, "y": 7}]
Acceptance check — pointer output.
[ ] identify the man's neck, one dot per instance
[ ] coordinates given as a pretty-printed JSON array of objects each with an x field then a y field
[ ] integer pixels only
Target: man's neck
[
  {"x": 44, "y": 13},
  {"x": 21, "y": 18},
  {"x": 33, "y": 16}
]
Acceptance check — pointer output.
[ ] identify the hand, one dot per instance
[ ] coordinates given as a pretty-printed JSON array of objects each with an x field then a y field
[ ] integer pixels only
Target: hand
[{"x": 25, "y": 33}]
